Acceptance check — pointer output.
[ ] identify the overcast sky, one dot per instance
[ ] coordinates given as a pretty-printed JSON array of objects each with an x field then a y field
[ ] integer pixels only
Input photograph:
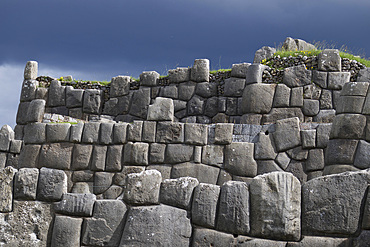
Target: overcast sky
[{"x": 100, "y": 39}]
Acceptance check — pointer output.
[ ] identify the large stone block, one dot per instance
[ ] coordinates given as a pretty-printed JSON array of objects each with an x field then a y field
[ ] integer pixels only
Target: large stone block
[
  {"x": 364, "y": 75},
  {"x": 149, "y": 78},
  {"x": 57, "y": 94},
  {"x": 366, "y": 215},
  {"x": 178, "y": 192},
  {"x": 161, "y": 110},
  {"x": 315, "y": 160},
  {"x": 179, "y": 75},
  {"x": 206, "y": 89},
  {"x": 326, "y": 100},
  {"x": 204, "y": 205},
  {"x": 310, "y": 107},
  {"x": 156, "y": 226},
  {"x": 29, "y": 88},
  {"x": 350, "y": 104},
  {"x": 119, "y": 133},
  {"x": 196, "y": 134},
  {"x": 106, "y": 133},
  {"x": 140, "y": 102},
  {"x": 331, "y": 205},
  {"x": 362, "y": 155},
  {"x": 6, "y": 136},
  {"x": 239, "y": 159},
  {"x": 204, "y": 173},
  {"x": 22, "y": 112},
  {"x": 102, "y": 181},
  {"x": 81, "y": 156},
  {"x": 308, "y": 138},
  {"x": 336, "y": 80},
  {"x": 93, "y": 101},
  {"x": 282, "y": 113},
  {"x": 355, "y": 88},
  {"x": 196, "y": 105},
  {"x": 287, "y": 134},
  {"x": 254, "y": 73},
  {"x": 119, "y": 86},
  {"x": 297, "y": 76},
  {"x": 6, "y": 192},
  {"x": 264, "y": 53},
  {"x": 282, "y": 96},
  {"x": 58, "y": 132},
  {"x": 136, "y": 153},
  {"x": 348, "y": 126},
  {"x": 30, "y": 71},
  {"x": 156, "y": 154},
  {"x": 296, "y": 97},
  {"x": 35, "y": 133},
  {"x": 206, "y": 237},
  {"x": 240, "y": 70},
  {"x": 234, "y": 87},
  {"x": 178, "y": 153},
  {"x": 233, "y": 212},
  {"x": 106, "y": 225},
  {"x": 329, "y": 60},
  {"x": 25, "y": 183},
  {"x": 66, "y": 231},
  {"x": 252, "y": 95},
  {"x": 91, "y": 132},
  {"x": 52, "y": 184},
  {"x": 186, "y": 90},
  {"x": 74, "y": 97},
  {"x": 29, "y": 156},
  {"x": 267, "y": 166},
  {"x": 36, "y": 110},
  {"x": 263, "y": 148},
  {"x": 340, "y": 151},
  {"x": 213, "y": 155},
  {"x": 98, "y": 158},
  {"x": 276, "y": 206},
  {"x": 320, "y": 78},
  {"x": 76, "y": 204},
  {"x": 76, "y": 132},
  {"x": 56, "y": 155},
  {"x": 223, "y": 133},
  {"x": 200, "y": 70},
  {"x": 114, "y": 158},
  {"x": 309, "y": 241}
]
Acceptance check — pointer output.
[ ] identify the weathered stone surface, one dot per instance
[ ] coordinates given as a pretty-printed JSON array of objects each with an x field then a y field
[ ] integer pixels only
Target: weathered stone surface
[
  {"x": 36, "y": 110},
  {"x": 254, "y": 73},
  {"x": 350, "y": 104},
  {"x": 315, "y": 160},
  {"x": 320, "y": 78},
  {"x": 233, "y": 213},
  {"x": 340, "y": 151},
  {"x": 204, "y": 206},
  {"x": 82, "y": 188},
  {"x": 98, "y": 158},
  {"x": 297, "y": 169},
  {"x": 156, "y": 154},
  {"x": 276, "y": 206},
  {"x": 102, "y": 181},
  {"x": 362, "y": 155},
  {"x": 326, "y": 101},
  {"x": 296, "y": 97},
  {"x": 310, "y": 107},
  {"x": 119, "y": 86},
  {"x": 106, "y": 225},
  {"x": 161, "y": 110},
  {"x": 267, "y": 166},
  {"x": 248, "y": 241},
  {"x": 196, "y": 105},
  {"x": 113, "y": 192},
  {"x": 119, "y": 133},
  {"x": 6, "y": 192},
  {"x": 223, "y": 177},
  {"x": 27, "y": 225},
  {"x": 206, "y": 89},
  {"x": 336, "y": 169},
  {"x": 30, "y": 71},
  {"x": 287, "y": 134},
  {"x": 232, "y": 105},
  {"x": 366, "y": 215},
  {"x": 114, "y": 158},
  {"x": 140, "y": 102},
  {"x": 66, "y": 231},
  {"x": 165, "y": 170},
  {"x": 252, "y": 95},
  {"x": 200, "y": 70},
  {"x": 355, "y": 88},
  {"x": 264, "y": 53},
  {"x": 329, "y": 60},
  {"x": 143, "y": 188},
  {"x": 76, "y": 132},
  {"x": 364, "y": 75},
  {"x": 322, "y": 135},
  {"x": 92, "y": 101},
  {"x": 25, "y": 183},
  {"x": 239, "y": 159},
  {"x": 149, "y": 78},
  {"x": 6, "y": 136},
  {"x": 298, "y": 153},
  {"x": 170, "y": 132},
  {"x": 336, "y": 80},
  {"x": 178, "y": 153},
  {"x": 42, "y": 93},
  {"x": 196, "y": 134},
  {"x": 91, "y": 132},
  {"x": 213, "y": 155},
  {"x": 332, "y": 204},
  {"x": 106, "y": 133},
  {"x": 239, "y": 70},
  {"x": 57, "y": 132},
  {"x": 234, "y": 87},
  {"x": 163, "y": 226},
  {"x": 206, "y": 237},
  {"x": 186, "y": 90},
  {"x": 178, "y": 192},
  {"x": 263, "y": 148},
  {"x": 34, "y": 133},
  {"x": 282, "y": 113},
  {"x": 16, "y": 146},
  {"x": 74, "y": 97},
  {"x": 309, "y": 241},
  {"x": 136, "y": 153},
  {"x": 179, "y": 75},
  {"x": 56, "y": 155},
  {"x": 204, "y": 173},
  {"x": 76, "y": 204},
  {"x": 282, "y": 96},
  {"x": 362, "y": 240},
  {"x": 29, "y": 156},
  {"x": 324, "y": 116},
  {"x": 348, "y": 126},
  {"x": 308, "y": 138},
  {"x": 57, "y": 94},
  {"x": 297, "y": 76},
  {"x": 52, "y": 184},
  {"x": 120, "y": 178},
  {"x": 282, "y": 160}
]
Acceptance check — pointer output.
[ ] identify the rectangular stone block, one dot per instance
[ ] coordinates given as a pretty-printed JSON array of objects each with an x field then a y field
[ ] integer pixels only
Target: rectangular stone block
[
  {"x": 52, "y": 184},
  {"x": 6, "y": 192},
  {"x": 57, "y": 94},
  {"x": 296, "y": 97},
  {"x": 56, "y": 155},
  {"x": 204, "y": 205},
  {"x": 134, "y": 131},
  {"x": 66, "y": 226},
  {"x": 25, "y": 183},
  {"x": 196, "y": 134},
  {"x": 287, "y": 134},
  {"x": 76, "y": 204},
  {"x": 178, "y": 153},
  {"x": 106, "y": 133},
  {"x": 74, "y": 97},
  {"x": 58, "y": 132},
  {"x": 223, "y": 133},
  {"x": 170, "y": 132},
  {"x": 35, "y": 133},
  {"x": 93, "y": 101},
  {"x": 119, "y": 133},
  {"x": 239, "y": 159},
  {"x": 204, "y": 173},
  {"x": 336, "y": 80},
  {"x": 91, "y": 132},
  {"x": 213, "y": 155},
  {"x": 81, "y": 156},
  {"x": 114, "y": 158},
  {"x": 136, "y": 153},
  {"x": 98, "y": 158},
  {"x": 156, "y": 154},
  {"x": 149, "y": 131}
]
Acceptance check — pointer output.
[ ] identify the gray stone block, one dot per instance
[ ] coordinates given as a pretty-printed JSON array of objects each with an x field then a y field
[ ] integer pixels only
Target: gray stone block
[
  {"x": 186, "y": 90},
  {"x": 29, "y": 156},
  {"x": 56, "y": 155},
  {"x": 324, "y": 116},
  {"x": 287, "y": 134},
  {"x": 308, "y": 138},
  {"x": 41, "y": 93},
  {"x": 136, "y": 153},
  {"x": 143, "y": 188},
  {"x": 364, "y": 75},
  {"x": 336, "y": 80},
  {"x": 83, "y": 176},
  {"x": 91, "y": 132},
  {"x": 6, "y": 193},
  {"x": 267, "y": 166},
  {"x": 58, "y": 132},
  {"x": 234, "y": 87},
  {"x": 200, "y": 70},
  {"x": 146, "y": 227},
  {"x": 308, "y": 241},
  {"x": 66, "y": 231},
  {"x": 239, "y": 70},
  {"x": 297, "y": 169},
  {"x": 119, "y": 86},
  {"x": 320, "y": 78},
  {"x": 178, "y": 153},
  {"x": 140, "y": 102},
  {"x": 120, "y": 177},
  {"x": 156, "y": 154},
  {"x": 25, "y": 183},
  {"x": 113, "y": 192},
  {"x": 326, "y": 101},
  {"x": 248, "y": 241},
  {"x": 282, "y": 113},
  {"x": 362, "y": 239},
  {"x": 204, "y": 173},
  {"x": 210, "y": 109},
  {"x": 76, "y": 132},
  {"x": 6, "y": 136},
  {"x": 34, "y": 133},
  {"x": 170, "y": 132},
  {"x": 314, "y": 174},
  {"x": 252, "y": 95},
  {"x": 98, "y": 158},
  {"x": 149, "y": 131},
  {"x": 165, "y": 170},
  {"x": 28, "y": 91},
  {"x": 315, "y": 160},
  {"x": 310, "y": 107},
  {"x": 204, "y": 205},
  {"x": 282, "y": 96},
  {"x": 254, "y": 73},
  {"x": 21, "y": 117},
  {"x": 106, "y": 133},
  {"x": 178, "y": 192},
  {"x": 342, "y": 216},
  {"x": 223, "y": 133},
  {"x": 355, "y": 89},
  {"x": 114, "y": 158},
  {"x": 340, "y": 151},
  {"x": 297, "y": 76},
  {"x": 322, "y": 135},
  {"x": 336, "y": 169},
  {"x": 350, "y": 104},
  {"x": 361, "y": 157},
  {"x": 283, "y": 160},
  {"x": 239, "y": 159},
  {"x": 366, "y": 214},
  {"x": 36, "y": 110},
  {"x": 74, "y": 97},
  {"x": 179, "y": 75},
  {"x": 206, "y": 237},
  {"x": 169, "y": 91},
  {"x": 119, "y": 133},
  {"x": 76, "y": 204},
  {"x": 30, "y": 71},
  {"x": 52, "y": 184},
  {"x": 106, "y": 225},
  {"x": 57, "y": 94},
  {"x": 93, "y": 101},
  {"x": 149, "y": 78},
  {"x": 296, "y": 97},
  {"x": 213, "y": 155},
  {"x": 264, "y": 53},
  {"x": 329, "y": 60},
  {"x": 233, "y": 212},
  {"x": 161, "y": 110},
  {"x": 81, "y": 156},
  {"x": 196, "y": 105},
  {"x": 348, "y": 126},
  {"x": 102, "y": 181},
  {"x": 223, "y": 177},
  {"x": 263, "y": 148},
  {"x": 16, "y": 146},
  {"x": 298, "y": 153},
  {"x": 196, "y": 134},
  {"x": 276, "y": 206}
]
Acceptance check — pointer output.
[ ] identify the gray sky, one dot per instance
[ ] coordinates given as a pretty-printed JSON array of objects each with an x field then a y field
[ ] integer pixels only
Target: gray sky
[{"x": 97, "y": 40}]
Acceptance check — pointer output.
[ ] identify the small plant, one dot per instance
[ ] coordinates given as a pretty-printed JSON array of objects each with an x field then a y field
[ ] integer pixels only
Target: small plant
[{"x": 220, "y": 70}]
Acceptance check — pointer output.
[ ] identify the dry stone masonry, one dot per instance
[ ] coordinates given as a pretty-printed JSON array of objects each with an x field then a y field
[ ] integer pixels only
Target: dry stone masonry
[{"x": 192, "y": 159}]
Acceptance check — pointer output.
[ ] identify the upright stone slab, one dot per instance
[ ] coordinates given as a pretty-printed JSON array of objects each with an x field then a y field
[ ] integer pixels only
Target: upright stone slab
[
  {"x": 329, "y": 60},
  {"x": 6, "y": 192},
  {"x": 34, "y": 133},
  {"x": 239, "y": 159},
  {"x": 161, "y": 110},
  {"x": 119, "y": 86},
  {"x": 6, "y": 136},
  {"x": 74, "y": 97},
  {"x": 106, "y": 133},
  {"x": 114, "y": 158},
  {"x": 25, "y": 183},
  {"x": 340, "y": 151},
  {"x": 179, "y": 75},
  {"x": 276, "y": 206},
  {"x": 30, "y": 71},
  {"x": 93, "y": 101},
  {"x": 57, "y": 132},
  {"x": 57, "y": 94},
  {"x": 252, "y": 95},
  {"x": 204, "y": 206},
  {"x": 254, "y": 73},
  {"x": 66, "y": 231},
  {"x": 36, "y": 110},
  {"x": 264, "y": 149},
  {"x": 149, "y": 78},
  {"x": 136, "y": 153},
  {"x": 233, "y": 211},
  {"x": 52, "y": 184},
  {"x": 156, "y": 226},
  {"x": 81, "y": 156},
  {"x": 331, "y": 205},
  {"x": 200, "y": 70},
  {"x": 234, "y": 87},
  {"x": 264, "y": 53},
  {"x": 140, "y": 102},
  {"x": 29, "y": 156},
  {"x": 287, "y": 134}
]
